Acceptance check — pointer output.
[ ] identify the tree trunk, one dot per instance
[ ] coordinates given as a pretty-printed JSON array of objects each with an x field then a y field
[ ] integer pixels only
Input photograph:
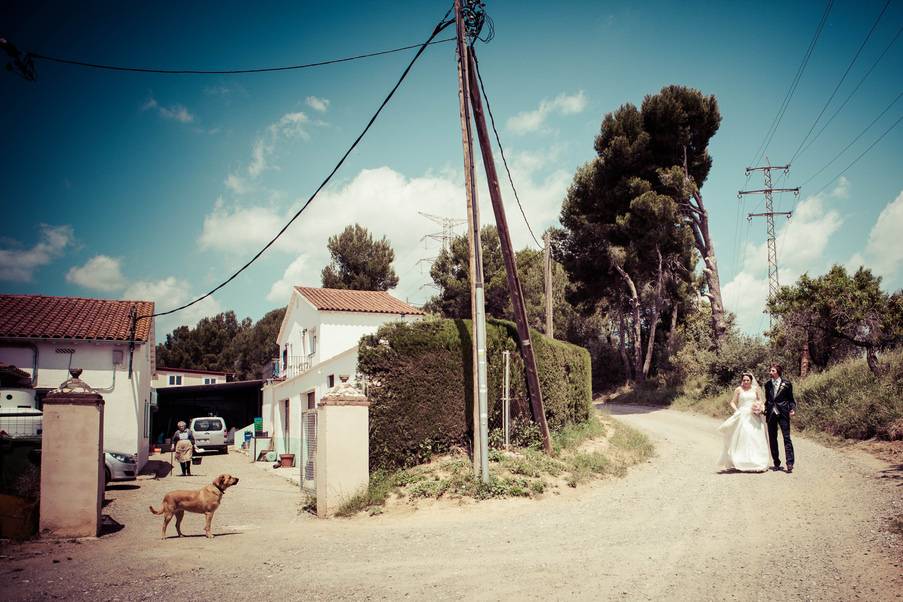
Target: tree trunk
[
  {"x": 637, "y": 328},
  {"x": 672, "y": 332},
  {"x": 699, "y": 221},
  {"x": 622, "y": 348},
  {"x": 804, "y": 357},
  {"x": 871, "y": 358},
  {"x": 656, "y": 313}
]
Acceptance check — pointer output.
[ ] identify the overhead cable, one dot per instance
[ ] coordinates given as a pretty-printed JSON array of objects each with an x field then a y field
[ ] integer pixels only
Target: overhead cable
[
  {"x": 776, "y": 122},
  {"x": 445, "y": 22},
  {"x": 167, "y": 71},
  {"x": 840, "y": 82},
  {"x": 862, "y": 154},
  {"x": 502, "y": 149},
  {"x": 854, "y": 90},
  {"x": 853, "y": 141}
]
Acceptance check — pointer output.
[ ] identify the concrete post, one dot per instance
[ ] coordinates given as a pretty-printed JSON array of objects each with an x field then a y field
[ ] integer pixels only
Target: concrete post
[
  {"x": 72, "y": 466},
  {"x": 343, "y": 446}
]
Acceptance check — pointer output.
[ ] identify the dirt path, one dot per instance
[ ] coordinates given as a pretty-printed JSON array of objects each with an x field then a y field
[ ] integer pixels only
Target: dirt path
[{"x": 672, "y": 529}]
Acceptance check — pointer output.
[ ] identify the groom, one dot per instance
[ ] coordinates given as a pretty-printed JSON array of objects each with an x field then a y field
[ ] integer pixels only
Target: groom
[{"x": 779, "y": 407}]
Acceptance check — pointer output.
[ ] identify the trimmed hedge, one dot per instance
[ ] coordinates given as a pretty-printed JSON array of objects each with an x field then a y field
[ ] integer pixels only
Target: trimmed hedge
[{"x": 421, "y": 385}]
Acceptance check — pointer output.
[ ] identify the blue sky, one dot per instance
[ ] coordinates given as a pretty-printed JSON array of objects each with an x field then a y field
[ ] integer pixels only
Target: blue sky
[{"x": 150, "y": 186}]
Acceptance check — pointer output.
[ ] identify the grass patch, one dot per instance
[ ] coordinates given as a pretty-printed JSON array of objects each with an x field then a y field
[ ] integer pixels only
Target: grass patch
[{"x": 598, "y": 448}]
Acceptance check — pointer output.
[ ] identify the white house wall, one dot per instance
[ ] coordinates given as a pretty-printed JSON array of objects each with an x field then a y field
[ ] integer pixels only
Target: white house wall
[
  {"x": 124, "y": 406},
  {"x": 296, "y": 390},
  {"x": 343, "y": 329}
]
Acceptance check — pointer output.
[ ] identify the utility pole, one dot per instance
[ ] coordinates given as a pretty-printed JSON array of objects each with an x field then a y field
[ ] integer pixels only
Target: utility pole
[
  {"x": 448, "y": 225},
  {"x": 475, "y": 256},
  {"x": 773, "y": 284},
  {"x": 514, "y": 287},
  {"x": 547, "y": 276}
]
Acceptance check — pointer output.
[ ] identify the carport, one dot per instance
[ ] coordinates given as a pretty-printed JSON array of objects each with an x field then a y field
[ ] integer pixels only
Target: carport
[{"x": 238, "y": 403}]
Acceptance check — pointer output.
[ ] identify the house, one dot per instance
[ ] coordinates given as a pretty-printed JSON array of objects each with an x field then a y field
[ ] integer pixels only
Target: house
[
  {"x": 318, "y": 343},
  {"x": 46, "y": 336},
  {"x": 182, "y": 377}
]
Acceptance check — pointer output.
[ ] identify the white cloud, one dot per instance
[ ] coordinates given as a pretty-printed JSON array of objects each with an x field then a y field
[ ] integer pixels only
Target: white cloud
[
  {"x": 884, "y": 250},
  {"x": 100, "y": 273},
  {"x": 563, "y": 104},
  {"x": 174, "y": 112},
  {"x": 290, "y": 125},
  {"x": 386, "y": 202},
  {"x": 18, "y": 265},
  {"x": 169, "y": 293},
  {"x": 296, "y": 273},
  {"x": 317, "y": 104},
  {"x": 801, "y": 245},
  {"x": 236, "y": 184}
]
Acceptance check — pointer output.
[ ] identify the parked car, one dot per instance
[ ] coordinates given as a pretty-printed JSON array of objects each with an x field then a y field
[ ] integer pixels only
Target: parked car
[
  {"x": 209, "y": 433},
  {"x": 120, "y": 466},
  {"x": 19, "y": 413}
]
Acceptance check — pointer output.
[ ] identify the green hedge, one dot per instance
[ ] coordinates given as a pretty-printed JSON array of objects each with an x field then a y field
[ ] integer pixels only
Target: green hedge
[{"x": 421, "y": 385}]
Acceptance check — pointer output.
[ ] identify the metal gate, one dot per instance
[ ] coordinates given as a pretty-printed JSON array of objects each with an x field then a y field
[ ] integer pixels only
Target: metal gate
[{"x": 308, "y": 449}]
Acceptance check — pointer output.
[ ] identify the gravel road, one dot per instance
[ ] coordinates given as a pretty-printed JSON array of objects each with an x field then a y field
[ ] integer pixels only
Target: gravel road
[{"x": 672, "y": 529}]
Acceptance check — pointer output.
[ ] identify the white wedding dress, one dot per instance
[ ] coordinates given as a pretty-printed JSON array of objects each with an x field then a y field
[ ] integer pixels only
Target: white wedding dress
[{"x": 745, "y": 439}]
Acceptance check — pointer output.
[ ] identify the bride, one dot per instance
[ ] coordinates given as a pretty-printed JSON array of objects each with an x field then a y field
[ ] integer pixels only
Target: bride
[{"x": 745, "y": 441}]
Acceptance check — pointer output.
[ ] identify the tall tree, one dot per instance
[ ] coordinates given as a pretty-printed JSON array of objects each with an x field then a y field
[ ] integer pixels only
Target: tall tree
[
  {"x": 625, "y": 238},
  {"x": 359, "y": 262},
  {"x": 839, "y": 307},
  {"x": 207, "y": 346}
]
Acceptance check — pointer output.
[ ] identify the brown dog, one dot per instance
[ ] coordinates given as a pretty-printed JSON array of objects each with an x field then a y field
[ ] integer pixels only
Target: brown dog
[{"x": 204, "y": 501}]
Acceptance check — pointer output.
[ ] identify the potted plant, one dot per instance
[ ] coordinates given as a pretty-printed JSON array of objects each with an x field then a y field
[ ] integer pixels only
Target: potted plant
[{"x": 286, "y": 460}]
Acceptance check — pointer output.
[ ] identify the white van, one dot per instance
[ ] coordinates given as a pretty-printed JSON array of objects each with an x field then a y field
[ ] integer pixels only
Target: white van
[{"x": 209, "y": 433}]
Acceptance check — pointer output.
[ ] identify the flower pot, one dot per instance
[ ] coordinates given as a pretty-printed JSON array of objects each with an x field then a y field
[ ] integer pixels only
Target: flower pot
[
  {"x": 196, "y": 460},
  {"x": 286, "y": 460}
]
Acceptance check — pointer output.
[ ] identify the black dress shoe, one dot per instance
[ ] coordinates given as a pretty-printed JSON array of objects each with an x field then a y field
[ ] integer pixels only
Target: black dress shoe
[
  {"x": 789, "y": 468},
  {"x": 776, "y": 467}
]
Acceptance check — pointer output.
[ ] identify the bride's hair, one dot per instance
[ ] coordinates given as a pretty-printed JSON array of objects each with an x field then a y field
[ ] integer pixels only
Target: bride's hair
[{"x": 749, "y": 374}]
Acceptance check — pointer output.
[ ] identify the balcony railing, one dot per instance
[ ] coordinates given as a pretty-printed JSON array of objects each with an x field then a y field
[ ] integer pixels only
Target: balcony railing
[{"x": 294, "y": 366}]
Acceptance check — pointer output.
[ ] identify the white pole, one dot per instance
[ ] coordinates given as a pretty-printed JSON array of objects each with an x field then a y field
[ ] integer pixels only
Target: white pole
[{"x": 506, "y": 398}]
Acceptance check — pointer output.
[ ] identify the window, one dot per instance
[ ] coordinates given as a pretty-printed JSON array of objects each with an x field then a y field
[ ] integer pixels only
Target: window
[
  {"x": 207, "y": 424},
  {"x": 209, "y": 381},
  {"x": 311, "y": 400},
  {"x": 313, "y": 342},
  {"x": 175, "y": 379},
  {"x": 330, "y": 381}
]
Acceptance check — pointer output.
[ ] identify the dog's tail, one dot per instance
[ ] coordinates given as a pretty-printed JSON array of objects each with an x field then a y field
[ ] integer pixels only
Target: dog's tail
[{"x": 160, "y": 511}]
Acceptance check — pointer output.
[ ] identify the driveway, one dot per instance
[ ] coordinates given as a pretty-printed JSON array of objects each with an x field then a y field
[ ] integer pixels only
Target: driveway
[{"x": 672, "y": 529}]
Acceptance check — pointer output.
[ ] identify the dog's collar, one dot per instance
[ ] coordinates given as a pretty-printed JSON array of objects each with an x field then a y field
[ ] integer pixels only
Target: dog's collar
[{"x": 221, "y": 490}]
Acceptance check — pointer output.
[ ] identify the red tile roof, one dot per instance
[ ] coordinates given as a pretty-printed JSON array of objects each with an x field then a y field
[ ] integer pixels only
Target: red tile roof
[
  {"x": 376, "y": 302},
  {"x": 44, "y": 317}
]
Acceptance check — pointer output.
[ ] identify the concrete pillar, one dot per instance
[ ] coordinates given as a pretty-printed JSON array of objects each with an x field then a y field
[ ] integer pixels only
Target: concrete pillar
[
  {"x": 343, "y": 446},
  {"x": 72, "y": 464}
]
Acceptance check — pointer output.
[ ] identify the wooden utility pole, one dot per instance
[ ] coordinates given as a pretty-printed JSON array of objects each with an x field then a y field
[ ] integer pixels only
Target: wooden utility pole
[
  {"x": 475, "y": 259},
  {"x": 547, "y": 276},
  {"x": 514, "y": 287}
]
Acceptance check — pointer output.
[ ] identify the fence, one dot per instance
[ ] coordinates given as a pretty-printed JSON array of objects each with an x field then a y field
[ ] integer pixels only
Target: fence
[{"x": 293, "y": 366}]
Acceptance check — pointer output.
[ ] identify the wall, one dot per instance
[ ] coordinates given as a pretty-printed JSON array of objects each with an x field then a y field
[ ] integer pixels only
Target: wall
[
  {"x": 124, "y": 411},
  {"x": 295, "y": 390},
  {"x": 188, "y": 378},
  {"x": 342, "y": 329}
]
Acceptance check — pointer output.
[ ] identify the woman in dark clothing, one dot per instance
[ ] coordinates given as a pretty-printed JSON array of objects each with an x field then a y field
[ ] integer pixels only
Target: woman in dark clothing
[{"x": 183, "y": 442}]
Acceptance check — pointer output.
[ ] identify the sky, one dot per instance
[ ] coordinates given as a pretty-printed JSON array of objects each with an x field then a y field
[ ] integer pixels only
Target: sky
[{"x": 158, "y": 187}]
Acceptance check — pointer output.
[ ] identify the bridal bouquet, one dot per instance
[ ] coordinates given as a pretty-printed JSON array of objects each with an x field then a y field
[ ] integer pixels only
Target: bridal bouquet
[{"x": 757, "y": 408}]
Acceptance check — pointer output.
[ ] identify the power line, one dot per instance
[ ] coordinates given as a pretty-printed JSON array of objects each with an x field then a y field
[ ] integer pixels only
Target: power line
[
  {"x": 502, "y": 150},
  {"x": 840, "y": 82},
  {"x": 439, "y": 27},
  {"x": 763, "y": 147},
  {"x": 165, "y": 71},
  {"x": 853, "y": 92},
  {"x": 853, "y": 141},
  {"x": 862, "y": 154}
]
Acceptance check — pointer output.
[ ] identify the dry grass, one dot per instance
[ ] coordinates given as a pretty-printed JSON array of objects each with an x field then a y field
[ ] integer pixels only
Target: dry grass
[{"x": 598, "y": 448}]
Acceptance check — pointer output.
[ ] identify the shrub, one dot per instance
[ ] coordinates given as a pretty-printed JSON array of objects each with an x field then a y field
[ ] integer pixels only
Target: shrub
[
  {"x": 421, "y": 386},
  {"x": 848, "y": 401}
]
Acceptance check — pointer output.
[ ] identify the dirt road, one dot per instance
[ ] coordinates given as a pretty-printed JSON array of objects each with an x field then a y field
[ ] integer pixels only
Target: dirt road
[{"x": 672, "y": 529}]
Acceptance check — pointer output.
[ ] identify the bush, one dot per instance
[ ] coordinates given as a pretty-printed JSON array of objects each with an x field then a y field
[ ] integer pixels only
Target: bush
[
  {"x": 421, "y": 385},
  {"x": 848, "y": 401}
]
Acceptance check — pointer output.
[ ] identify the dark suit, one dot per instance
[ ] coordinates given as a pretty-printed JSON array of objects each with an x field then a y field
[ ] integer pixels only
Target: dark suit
[{"x": 778, "y": 405}]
